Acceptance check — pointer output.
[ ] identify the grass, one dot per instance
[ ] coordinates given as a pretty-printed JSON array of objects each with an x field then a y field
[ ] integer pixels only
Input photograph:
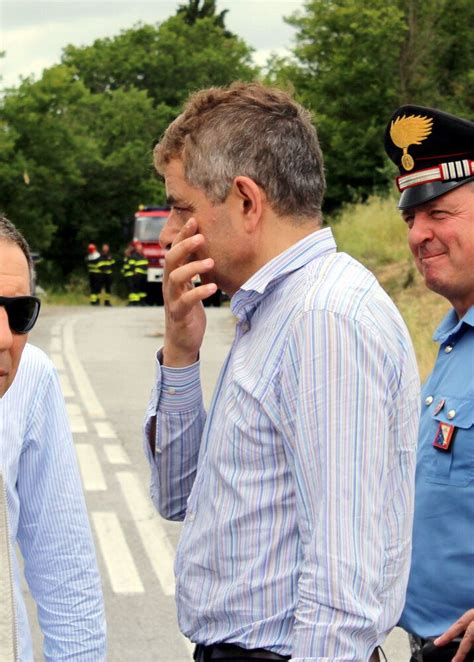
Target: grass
[{"x": 374, "y": 233}]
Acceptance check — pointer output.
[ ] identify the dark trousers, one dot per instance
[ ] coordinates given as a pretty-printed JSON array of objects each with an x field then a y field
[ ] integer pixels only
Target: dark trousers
[
  {"x": 107, "y": 283},
  {"x": 232, "y": 653},
  {"x": 94, "y": 283},
  {"x": 423, "y": 650}
]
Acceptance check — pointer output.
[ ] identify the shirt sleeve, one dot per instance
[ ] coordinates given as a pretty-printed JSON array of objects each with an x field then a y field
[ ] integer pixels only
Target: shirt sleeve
[
  {"x": 173, "y": 429},
  {"x": 55, "y": 537},
  {"x": 338, "y": 390}
]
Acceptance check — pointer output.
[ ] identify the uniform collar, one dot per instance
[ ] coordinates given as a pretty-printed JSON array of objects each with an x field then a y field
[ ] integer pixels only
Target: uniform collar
[
  {"x": 314, "y": 245},
  {"x": 451, "y": 325}
]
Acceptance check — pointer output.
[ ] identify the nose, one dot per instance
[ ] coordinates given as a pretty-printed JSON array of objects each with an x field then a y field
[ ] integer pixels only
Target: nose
[
  {"x": 169, "y": 231},
  {"x": 421, "y": 230},
  {"x": 6, "y": 336}
]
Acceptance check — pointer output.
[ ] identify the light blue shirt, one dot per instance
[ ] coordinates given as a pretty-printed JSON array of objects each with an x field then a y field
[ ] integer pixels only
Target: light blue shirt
[
  {"x": 441, "y": 586},
  {"x": 296, "y": 489},
  {"x": 47, "y": 517}
]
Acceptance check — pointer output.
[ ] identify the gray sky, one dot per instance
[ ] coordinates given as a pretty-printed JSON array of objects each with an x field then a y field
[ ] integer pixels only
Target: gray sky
[{"x": 34, "y": 32}]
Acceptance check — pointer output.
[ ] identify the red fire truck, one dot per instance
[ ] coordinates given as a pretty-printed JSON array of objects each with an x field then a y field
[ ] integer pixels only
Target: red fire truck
[{"x": 149, "y": 222}]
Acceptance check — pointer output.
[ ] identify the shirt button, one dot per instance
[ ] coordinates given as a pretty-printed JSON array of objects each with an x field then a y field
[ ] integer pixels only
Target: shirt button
[
  {"x": 172, "y": 390},
  {"x": 245, "y": 326},
  {"x": 448, "y": 349},
  {"x": 191, "y": 517},
  {"x": 451, "y": 413},
  {"x": 429, "y": 400}
]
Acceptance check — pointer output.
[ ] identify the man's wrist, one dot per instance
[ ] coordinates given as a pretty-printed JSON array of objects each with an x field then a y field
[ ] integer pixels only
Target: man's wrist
[{"x": 172, "y": 358}]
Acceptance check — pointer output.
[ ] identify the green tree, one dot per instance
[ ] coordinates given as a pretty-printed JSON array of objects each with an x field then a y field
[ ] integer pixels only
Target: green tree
[
  {"x": 355, "y": 61},
  {"x": 45, "y": 149},
  {"x": 76, "y": 165},
  {"x": 168, "y": 60},
  {"x": 194, "y": 11}
]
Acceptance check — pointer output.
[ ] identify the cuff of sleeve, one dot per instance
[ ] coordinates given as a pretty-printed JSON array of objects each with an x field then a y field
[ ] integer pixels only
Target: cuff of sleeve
[{"x": 180, "y": 387}]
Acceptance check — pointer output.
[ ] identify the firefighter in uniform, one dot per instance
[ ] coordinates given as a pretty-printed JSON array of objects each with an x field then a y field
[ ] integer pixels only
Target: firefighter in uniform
[
  {"x": 93, "y": 268},
  {"x": 106, "y": 265},
  {"x": 128, "y": 271},
  {"x": 139, "y": 274}
]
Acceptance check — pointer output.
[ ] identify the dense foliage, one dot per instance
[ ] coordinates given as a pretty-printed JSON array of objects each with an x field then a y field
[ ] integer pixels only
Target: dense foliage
[{"x": 355, "y": 61}]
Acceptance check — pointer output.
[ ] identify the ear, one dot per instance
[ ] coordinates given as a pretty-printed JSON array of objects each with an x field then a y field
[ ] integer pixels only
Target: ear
[{"x": 251, "y": 201}]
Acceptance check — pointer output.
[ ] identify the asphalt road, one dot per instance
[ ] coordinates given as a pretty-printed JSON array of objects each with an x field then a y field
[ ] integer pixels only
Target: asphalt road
[{"x": 105, "y": 359}]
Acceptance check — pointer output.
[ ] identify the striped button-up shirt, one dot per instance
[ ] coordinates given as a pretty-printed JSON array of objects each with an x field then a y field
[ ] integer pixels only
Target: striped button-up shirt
[
  {"x": 46, "y": 514},
  {"x": 296, "y": 489}
]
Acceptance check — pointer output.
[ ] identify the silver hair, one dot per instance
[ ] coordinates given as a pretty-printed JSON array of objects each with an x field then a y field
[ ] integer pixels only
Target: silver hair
[{"x": 251, "y": 130}]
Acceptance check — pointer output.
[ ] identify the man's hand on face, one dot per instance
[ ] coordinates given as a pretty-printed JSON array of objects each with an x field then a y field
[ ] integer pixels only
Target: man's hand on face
[
  {"x": 464, "y": 627},
  {"x": 185, "y": 317}
]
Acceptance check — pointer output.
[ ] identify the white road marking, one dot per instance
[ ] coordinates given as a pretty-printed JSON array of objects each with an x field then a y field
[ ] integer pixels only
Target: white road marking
[
  {"x": 91, "y": 471},
  {"x": 105, "y": 430},
  {"x": 76, "y": 419},
  {"x": 57, "y": 359},
  {"x": 73, "y": 409},
  {"x": 78, "y": 424},
  {"x": 116, "y": 454},
  {"x": 151, "y": 531},
  {"x": 89, "y": 398},
  {"x": 118, "y": 559},
  {"x": 55, "y": 345},
  {"x": 66, "y": 386}
]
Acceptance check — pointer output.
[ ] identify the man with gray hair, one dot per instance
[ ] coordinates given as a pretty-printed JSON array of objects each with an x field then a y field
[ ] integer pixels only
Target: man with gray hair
[
  {"x": 296, "y": 487},
  {"x": 41, "y": 502}
]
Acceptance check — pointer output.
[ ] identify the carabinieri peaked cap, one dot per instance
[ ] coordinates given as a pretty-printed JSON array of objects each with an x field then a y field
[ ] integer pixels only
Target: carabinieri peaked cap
[{"x": 434, "y": 152}]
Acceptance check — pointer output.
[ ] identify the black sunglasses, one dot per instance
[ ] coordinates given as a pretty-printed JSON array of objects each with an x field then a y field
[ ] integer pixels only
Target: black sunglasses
[{"x": 22, "y": 312}]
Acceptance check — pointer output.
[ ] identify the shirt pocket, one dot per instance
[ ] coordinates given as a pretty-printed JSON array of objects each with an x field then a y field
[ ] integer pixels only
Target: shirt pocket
[{"x": 456, "y": 465}]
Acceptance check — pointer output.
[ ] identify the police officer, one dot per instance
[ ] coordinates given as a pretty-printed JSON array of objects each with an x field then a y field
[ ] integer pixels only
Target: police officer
[
  {"x": 93, "y": 268},
  {"x": 435, "y": 155},
  {"x": 106, "y": 264}
]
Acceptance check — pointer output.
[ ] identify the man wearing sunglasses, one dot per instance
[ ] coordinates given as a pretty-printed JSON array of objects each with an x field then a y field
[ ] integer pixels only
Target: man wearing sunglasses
[{"x": 41, "y": 502}]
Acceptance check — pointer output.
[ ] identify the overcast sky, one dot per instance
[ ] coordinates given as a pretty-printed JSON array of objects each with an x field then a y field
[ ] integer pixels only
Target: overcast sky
[{"x": 34, "y": 32}]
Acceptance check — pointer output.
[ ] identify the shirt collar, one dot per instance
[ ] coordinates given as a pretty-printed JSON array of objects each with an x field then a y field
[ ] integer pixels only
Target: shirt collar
[
  {"x": 312, "y": 246},
  {"x": 452, "y": 325}
]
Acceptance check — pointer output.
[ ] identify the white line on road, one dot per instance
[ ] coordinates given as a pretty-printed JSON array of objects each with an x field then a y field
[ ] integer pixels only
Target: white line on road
[
  {"x": 57, "y": 359},
  {"x": 118, "y": 559},
  {"x": 105, "y": 430},
  {"x": 91, "y": 471},
  {"x": 66, "y": 386},
  {"x": 73, "y": 409},
  {"x": 78, "y": 424},
  {"x": 116, "y": 454},
  {"x": 154, "y": 539},
  {"x": 76, "y": 419},
  {"x": 84, "y": 386}
]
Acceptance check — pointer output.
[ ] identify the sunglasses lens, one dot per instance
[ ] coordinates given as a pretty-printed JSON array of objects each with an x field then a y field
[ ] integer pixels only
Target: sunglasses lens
[{"x": 22, "y": 313}]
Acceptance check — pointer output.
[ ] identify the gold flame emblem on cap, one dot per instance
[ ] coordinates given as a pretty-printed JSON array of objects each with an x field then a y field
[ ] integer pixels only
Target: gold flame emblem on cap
[{"x": 411, "y": 130}]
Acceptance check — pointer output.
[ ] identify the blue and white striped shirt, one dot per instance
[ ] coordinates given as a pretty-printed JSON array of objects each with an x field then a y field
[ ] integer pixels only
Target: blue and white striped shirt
[
  {"x": 48, "y": 518},
  {"x": 297, "y": 488}
]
